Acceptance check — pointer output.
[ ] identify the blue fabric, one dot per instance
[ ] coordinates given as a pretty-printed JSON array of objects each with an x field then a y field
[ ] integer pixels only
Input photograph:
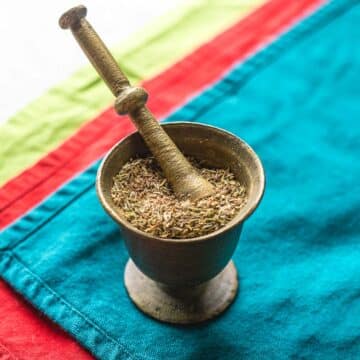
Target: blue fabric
[{"x": 297, "y": 104}]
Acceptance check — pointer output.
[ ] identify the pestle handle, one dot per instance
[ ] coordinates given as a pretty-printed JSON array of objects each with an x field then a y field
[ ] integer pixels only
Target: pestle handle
[
  {"x": 184, "y": 179},
  {"x": 94, "y": 48}
]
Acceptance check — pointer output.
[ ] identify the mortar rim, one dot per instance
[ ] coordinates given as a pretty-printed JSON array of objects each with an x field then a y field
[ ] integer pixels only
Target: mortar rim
[{"x": 255, "y": 200}]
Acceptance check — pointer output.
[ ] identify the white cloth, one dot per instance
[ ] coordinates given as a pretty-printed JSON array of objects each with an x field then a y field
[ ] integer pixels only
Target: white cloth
[{"x": 36, "y": 53}]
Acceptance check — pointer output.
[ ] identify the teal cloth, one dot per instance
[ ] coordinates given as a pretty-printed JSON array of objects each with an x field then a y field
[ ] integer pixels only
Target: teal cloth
[{"x": 297, "y": 104}]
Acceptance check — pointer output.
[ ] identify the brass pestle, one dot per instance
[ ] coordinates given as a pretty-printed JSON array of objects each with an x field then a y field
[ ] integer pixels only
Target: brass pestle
[{"x": 131, "y": 100}]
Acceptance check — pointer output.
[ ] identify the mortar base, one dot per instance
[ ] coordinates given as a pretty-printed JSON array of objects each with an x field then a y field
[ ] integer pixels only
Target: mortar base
[{"x": 181, "y": 305}]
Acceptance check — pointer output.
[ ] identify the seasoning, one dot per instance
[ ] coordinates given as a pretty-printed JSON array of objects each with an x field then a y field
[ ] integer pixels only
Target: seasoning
[{"x": 147, "y": 201}]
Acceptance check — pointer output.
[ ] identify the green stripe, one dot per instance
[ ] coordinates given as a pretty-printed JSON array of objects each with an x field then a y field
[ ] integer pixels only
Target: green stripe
[{"x": 49, "y": 120}]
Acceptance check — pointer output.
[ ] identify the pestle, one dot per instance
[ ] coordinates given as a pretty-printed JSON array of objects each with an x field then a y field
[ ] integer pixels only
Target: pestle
[{"x": 131, "y": 100}]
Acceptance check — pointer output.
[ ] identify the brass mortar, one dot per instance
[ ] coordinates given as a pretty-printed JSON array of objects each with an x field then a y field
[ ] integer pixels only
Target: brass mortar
[{"x": 184, "y": 280}]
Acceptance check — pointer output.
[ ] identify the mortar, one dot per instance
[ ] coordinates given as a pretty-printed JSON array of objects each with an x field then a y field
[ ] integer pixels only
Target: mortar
[
  {"x": 184, "y": 280},
  {"x": 179, "y": 281}
]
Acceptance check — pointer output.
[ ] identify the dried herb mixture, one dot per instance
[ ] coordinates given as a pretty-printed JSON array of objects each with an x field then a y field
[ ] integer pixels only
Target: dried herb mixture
[{"x": 147, "y": 201}]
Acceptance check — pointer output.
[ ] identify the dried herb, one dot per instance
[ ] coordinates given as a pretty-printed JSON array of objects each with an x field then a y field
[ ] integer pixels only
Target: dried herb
[{"x": 148, "y": 203}]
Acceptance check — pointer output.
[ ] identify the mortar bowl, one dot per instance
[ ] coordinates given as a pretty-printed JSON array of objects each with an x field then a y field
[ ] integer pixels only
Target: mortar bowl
[{"x": 184, "y": 280}]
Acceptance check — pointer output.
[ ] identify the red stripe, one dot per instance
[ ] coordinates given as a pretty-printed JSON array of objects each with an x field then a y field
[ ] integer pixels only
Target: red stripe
[
  {"x": 168, "y": 90},
  {"x": 27, "y": 334},
  {"x": 5, "y": 354}
]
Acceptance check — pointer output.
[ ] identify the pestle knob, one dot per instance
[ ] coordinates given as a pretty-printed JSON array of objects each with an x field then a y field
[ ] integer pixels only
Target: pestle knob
[{"x": 184, "y": 179}]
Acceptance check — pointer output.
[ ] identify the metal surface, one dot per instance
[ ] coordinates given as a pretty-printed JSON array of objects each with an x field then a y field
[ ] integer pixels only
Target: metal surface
[
  {"x": 185, "y": 263},
  {"x": 182, "y": 305},
  {"x": 184, "y": 179}
]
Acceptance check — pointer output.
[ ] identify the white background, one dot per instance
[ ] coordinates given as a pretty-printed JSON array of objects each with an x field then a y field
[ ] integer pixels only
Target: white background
[{"x": 36, "y": 53}]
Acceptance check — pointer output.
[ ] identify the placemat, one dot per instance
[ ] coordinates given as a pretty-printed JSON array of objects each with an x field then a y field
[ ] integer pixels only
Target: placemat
[{"x": 296, "y": 103}]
